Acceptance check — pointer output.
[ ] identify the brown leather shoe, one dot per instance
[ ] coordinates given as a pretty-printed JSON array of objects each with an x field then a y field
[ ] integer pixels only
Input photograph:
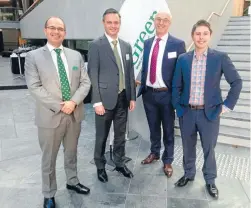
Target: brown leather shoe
[
  {"x": 150, "y": 158},
  {"x": 168, "y": 170}
]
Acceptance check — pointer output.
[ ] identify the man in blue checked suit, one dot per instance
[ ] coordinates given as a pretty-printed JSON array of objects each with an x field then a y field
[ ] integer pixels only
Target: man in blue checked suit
[{"x": 196, "y": 96}]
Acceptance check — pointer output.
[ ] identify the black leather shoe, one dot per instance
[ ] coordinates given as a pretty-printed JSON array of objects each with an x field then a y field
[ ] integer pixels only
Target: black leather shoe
[
  {"x": 79, "y": 188},
  {"x": 212, "y": 190},
  {"x": 183, "y": 181},
  {"x": 125, "y": 171},
  {"x": 102, "y": 176},
  {"x": 49, "y": 203}
]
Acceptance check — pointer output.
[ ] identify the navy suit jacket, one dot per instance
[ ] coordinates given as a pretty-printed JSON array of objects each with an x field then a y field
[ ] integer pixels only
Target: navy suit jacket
[
  {"x": 218, "y": 63},
  {"x": 168, "y": 65}
]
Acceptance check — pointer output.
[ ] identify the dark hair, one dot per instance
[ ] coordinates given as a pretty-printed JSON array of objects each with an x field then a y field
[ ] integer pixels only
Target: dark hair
[
  {"x": 111, "y": 11},
  {"x": 201, "y": 23},
  {"x": 46, "y": 22}
]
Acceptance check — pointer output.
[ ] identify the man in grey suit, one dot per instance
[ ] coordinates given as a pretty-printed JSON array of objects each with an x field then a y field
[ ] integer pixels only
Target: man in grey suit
[
  {"x": 58, "y": 81},
  {"x": 110, "y": 67}
]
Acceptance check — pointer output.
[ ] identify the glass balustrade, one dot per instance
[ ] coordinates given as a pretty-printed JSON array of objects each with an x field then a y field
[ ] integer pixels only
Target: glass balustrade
[{"x": 10, "y": 13}]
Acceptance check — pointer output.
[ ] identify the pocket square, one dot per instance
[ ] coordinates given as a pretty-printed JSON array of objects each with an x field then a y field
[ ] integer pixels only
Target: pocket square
[
  {"x": 172, "y": 55},
  {"x": 74, "y": 68},
  {"x": 127, "y": 57}
]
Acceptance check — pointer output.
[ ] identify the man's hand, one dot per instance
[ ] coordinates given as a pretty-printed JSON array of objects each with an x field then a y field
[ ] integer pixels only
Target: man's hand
[
  {"x": 100, "y": 110},
  {"x": 68, "y": 107},
  {"x": 132, "y": 105},
  {"x": 137, "y": 82}
]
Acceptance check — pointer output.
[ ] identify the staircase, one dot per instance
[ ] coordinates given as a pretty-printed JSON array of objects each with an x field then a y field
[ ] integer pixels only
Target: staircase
[{"x": 235, "y": 125}]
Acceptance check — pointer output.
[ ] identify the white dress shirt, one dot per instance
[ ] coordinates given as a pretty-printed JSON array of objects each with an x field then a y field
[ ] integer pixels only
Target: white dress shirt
[
  {"x": 119, "y": 51},
  {"x": 159, "y": 79},
  {"x": 54, "y": 58}
]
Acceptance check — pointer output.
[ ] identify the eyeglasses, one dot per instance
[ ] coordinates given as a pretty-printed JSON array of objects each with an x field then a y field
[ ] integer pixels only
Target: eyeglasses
[
  {"x": 59, "y": 29},
  {"x": 165, "y": 21}
]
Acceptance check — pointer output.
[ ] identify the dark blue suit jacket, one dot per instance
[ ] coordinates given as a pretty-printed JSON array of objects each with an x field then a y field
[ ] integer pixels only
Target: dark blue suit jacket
[
  {"x": 218, "y": 63},
  {"x": 168, "y": 65}
]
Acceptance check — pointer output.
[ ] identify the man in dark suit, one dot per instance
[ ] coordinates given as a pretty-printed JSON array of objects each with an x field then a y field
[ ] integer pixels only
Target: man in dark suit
[
  {"x": 111, "y": 71},
  {"x": 159, "y": 59},
  {"x": 197, "y": 99}
]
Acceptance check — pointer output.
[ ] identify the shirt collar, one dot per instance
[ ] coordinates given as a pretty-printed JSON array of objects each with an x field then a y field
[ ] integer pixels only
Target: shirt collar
[
  {"x": 164, "y": 38},
  {"x": 110, "y": 39},
  {"x": 204, "y": 54},
  {"x": 51, "y": 48}
]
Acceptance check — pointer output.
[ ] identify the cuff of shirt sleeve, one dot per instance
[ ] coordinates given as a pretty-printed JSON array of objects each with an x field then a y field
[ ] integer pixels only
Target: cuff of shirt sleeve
[
  {"x": 97, "y": 104},
  {"x": 225, "y": 108}
]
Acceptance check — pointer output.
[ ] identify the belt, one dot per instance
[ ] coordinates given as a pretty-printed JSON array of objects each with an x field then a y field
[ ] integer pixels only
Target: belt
[
  {"x": 162, "y": 89},
  {"x": 196, "y": 107}
]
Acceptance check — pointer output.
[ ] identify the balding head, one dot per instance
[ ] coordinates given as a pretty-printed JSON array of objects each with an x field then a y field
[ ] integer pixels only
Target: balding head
[
  {"x": 162, "y": 22},
  {"x": 55, "y": 31}
]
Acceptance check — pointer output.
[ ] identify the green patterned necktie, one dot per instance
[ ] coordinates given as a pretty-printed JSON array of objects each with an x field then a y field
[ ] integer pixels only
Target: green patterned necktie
[
  {"x": 117, "y": 57},
  {"x": 65, "y": 86}
]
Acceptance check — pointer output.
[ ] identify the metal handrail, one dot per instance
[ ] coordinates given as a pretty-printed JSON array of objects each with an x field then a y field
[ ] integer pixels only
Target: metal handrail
[
  {"x": 33, "y": 6},
  {"x": 209, "y": 17}
]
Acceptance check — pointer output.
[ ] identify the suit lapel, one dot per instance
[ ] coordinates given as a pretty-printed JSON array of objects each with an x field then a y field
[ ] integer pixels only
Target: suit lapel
[
  {"x": 51, "y": 65},
  {"x": 147, "y": 53},
  {"x": 69, "y": 62},
  {"x": 190, "y": 55},
  {"x": 109, "y": 49},
  {"x": 209, "y": 67},
  {"x": 123, "y": 53}
]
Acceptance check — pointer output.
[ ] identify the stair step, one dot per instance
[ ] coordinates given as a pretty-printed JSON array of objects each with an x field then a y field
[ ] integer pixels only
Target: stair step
[
  {"x": 237, "y": 116},
  {"x": 235, "y": 37},
  {"x": 234, "y": 43},
  {"x": 240, "y": 57},
  {"x": 231, "y": 131},
  {"x": 237, "y": 27},
  {"x": 239, "y": 19},
  {"x": 236, "y": 32},
  {"x": 242, "y": 66},
  {"x": 243, "y": 95},
  {"x": 238, "y": 23},
  {"x": 234, "y": 49}
]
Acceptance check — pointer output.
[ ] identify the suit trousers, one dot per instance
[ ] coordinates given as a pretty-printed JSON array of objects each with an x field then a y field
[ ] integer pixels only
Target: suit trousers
[
  {"x": 50, "y": 140},
  {"x": 103, "y": 124},
  {"x": 159, "y": 111},
  {"x": 191, "y": 122}
]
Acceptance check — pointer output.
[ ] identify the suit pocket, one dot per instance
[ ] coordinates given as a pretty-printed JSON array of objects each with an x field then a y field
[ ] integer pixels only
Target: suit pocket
[{"x": 102, "y": 85}]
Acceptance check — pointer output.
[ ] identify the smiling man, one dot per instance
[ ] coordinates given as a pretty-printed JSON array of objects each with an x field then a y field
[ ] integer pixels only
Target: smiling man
[
  {"x": 159, "y": 59},
  {"x": 196, "y": 96},
  {"x": 58, "y": 81},
  {"x": 110, "y": 67}
]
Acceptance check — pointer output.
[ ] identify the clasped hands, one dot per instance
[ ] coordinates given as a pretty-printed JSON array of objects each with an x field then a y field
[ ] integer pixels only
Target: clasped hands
[{"x": 68, "y": 107}]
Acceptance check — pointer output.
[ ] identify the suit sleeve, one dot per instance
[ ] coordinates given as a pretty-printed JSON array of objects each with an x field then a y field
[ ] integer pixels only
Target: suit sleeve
[
  {"x": 132, "y": 77},
  {"x": 177, "y": 84},
  {"x": 93, "y": 71},
  {"x": 233, "y": 79},
  {"x": 35, "y": 87},
  {"x": 84, "y": 85}
]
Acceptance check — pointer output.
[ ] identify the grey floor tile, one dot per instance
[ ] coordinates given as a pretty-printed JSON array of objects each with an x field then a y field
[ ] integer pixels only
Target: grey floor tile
[
  {"x": 231, "y": 194},
  {"x": 7, "y": 131},
  {"x": 144, "y": 184},
  {"x": 136, "y": 201},
  {"x": 26, "y": 129},
  {"x": 246, "y": 186},
  {"x": 186, "y": 203},
  {"x": 16, "y": 148},
  {"x": 193, "y": 190}
]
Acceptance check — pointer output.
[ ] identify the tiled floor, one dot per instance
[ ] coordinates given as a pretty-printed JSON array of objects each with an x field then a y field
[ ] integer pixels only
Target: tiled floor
[{"x": 20, "y": 175}]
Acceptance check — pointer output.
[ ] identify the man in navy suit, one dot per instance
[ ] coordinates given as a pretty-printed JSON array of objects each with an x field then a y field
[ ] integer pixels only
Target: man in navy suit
[
  {"x": 196, "y": 96},
  {"x": 159, "y": 59}
]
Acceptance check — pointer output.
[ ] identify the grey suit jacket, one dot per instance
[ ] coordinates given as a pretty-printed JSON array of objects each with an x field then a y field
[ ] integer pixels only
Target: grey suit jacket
[
  {"x": 104, "y": 74},
  {"x": 44, "y": 85}
]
